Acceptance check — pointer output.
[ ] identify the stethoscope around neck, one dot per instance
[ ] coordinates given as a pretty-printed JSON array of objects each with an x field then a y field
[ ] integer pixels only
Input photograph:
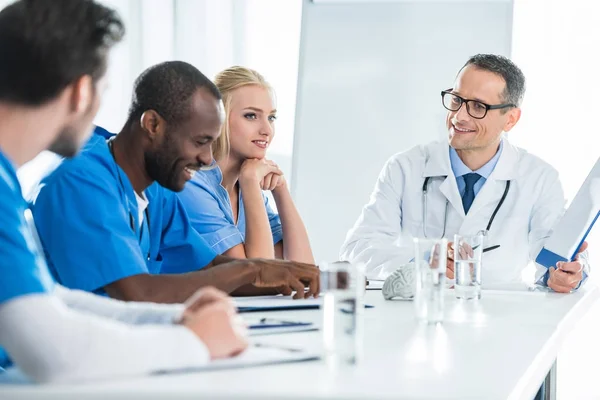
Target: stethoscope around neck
[{"x": 426, "y": 189}]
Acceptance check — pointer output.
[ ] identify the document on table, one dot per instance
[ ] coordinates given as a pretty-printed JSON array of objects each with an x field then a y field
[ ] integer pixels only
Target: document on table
[
  {"x": 278, "y": 303},
  {"x": 375, "y": 284},
  {"x": 259, "y": 354},
  {"x": 267, "y": 326}
]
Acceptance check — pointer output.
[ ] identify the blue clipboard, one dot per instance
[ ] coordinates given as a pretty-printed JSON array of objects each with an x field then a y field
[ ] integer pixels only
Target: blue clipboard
[
  {"x": 549, "y": 259},
  {"x": 575, "y": 225}
]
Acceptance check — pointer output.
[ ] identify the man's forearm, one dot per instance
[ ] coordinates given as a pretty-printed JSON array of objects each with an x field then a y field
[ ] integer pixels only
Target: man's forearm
[
  {"x": 251, "y": 290},
  {"x": 176, "y": 288},
  {"x": 245, "y": 290},
  {"x": 220, "y": 259}
]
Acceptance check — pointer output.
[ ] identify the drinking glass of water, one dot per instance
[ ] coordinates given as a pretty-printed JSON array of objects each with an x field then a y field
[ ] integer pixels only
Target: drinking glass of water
[
  {"x": 343, "y": 288},
  {"x": 430, "y": 272},
  {"x": 468, "y": 251}
]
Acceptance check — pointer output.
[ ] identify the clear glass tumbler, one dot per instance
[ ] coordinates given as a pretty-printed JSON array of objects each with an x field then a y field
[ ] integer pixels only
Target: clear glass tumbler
[
  {"x": 430, "y": 265},
  {"x": 468, "y": 252},
  {"x": 342, "y": 288}
]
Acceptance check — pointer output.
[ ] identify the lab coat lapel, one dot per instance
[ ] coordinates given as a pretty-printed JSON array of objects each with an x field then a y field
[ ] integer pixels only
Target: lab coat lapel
[
  {"x": 490, "y": 193},
  {"x": 449, "y": 189},
  {"x": 507, "y": 167},
  {"x": 494, "y": 187},
  {"x": 438, "y": 164}
]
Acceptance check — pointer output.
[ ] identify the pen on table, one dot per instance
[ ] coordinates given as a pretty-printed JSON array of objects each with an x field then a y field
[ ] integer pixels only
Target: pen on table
[
  {"x": 266, "y": 320},
  {"x": 270, "y": 346}
]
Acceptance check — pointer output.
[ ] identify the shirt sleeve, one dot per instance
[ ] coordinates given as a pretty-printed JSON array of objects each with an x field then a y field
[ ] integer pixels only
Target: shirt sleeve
[
  {"x": 545, "y": 213},
  {"x": 23, "y": 270},
  {"x": 52, "y": 343},
  {"x": 274, "y": 221},
  {"x": 129, "y": 312},
  {"x": 84, "y": 229},
  {"x": 208, "y": 217},
  {"x": 182, "y": 248},
  {"x": 377, "y": 239}
]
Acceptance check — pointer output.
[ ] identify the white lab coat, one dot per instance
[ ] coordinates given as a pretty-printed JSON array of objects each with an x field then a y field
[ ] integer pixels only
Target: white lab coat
[{"x": 382, "y": 236}]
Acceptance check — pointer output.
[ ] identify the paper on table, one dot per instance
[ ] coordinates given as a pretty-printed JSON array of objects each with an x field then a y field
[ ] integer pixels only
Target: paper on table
[
  {"x": 375, "y": 284},
  {"x": 267, "y": 326},
  {"x": 278, "y": 302},
  {"x": 287, "y": 329},
  {"x": 256, "y": 356}
]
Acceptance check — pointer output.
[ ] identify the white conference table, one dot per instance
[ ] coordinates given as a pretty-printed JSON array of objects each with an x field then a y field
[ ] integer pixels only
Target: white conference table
[{"x": 500, "y": 347}]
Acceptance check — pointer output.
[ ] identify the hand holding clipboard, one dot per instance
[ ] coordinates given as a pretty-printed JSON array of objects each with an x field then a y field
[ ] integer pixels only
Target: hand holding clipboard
[{"x": 561, "y": 252}]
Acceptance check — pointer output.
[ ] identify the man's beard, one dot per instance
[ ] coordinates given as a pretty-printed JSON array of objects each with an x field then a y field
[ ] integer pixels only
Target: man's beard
[
  {"x": 67, "y": 143},
  {"x": 160, "y": 169}
]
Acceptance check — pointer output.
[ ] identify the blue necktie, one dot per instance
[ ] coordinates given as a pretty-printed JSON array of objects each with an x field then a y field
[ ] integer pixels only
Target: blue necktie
[{"x": 469, "y": 195}]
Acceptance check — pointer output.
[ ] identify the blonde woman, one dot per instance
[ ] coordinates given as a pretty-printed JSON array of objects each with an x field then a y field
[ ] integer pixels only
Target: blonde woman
[{"x": 227, "y": 205}]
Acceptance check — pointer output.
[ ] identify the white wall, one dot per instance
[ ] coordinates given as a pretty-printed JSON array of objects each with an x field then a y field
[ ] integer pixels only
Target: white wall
[
  {"x": 212, "y": 35},
  {"x": 560, "y": 111},
  {"x": 560, "y": 59},
  {"x": 273, "y": 51}
]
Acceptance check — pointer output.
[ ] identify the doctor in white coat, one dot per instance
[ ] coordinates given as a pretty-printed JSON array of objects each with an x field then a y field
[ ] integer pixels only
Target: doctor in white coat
[{"x": 475, "y": 181}]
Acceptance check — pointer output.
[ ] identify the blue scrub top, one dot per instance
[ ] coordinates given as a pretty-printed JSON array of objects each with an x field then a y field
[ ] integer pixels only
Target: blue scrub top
[
  {"x": 23, "y": 270},
  {"x": 208, "y": 206},
  {"x": 86, "y": 214}
]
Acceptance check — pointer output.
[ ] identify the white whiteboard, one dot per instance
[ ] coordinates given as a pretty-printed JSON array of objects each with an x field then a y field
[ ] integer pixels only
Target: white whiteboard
[{"x": 370, "y": 77}]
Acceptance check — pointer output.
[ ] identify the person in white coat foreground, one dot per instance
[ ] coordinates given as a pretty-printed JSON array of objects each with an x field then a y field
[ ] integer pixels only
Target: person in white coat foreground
[{"x": 475, "y": 181}]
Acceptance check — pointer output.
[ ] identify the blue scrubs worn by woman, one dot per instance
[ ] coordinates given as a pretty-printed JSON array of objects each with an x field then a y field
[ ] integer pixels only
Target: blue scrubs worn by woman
[
  {"x": 210, "y": 210},
  {"x": 227, "y": 205}
]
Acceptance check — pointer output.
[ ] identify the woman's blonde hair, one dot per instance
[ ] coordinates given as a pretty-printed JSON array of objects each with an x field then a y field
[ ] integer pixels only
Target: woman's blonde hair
[{"x": 227, "y": 81}]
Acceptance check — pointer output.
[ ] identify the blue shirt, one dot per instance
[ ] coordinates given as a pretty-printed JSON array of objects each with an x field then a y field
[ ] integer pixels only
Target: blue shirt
[
  {"x": 86, "y": 214},
  {"x": 23, "y": 270},
  {"x": 459, "y": 168},
  {"x": 209, "y": 208}
]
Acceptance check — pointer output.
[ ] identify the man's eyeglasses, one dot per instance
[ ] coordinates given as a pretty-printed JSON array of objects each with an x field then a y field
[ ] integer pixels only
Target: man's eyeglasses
[{"x": 476, "y": 109}]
